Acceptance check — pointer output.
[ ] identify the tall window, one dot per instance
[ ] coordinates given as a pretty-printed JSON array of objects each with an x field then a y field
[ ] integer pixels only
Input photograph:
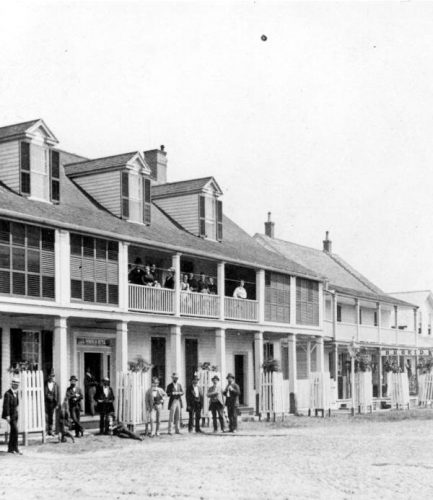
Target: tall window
[
  {"x": 146, "y": 201},
  {"x": 30, "y": 347},
  {"x": 94, "y": 270},
  {"x": 125, "y": 195},
  {"x": 277, "y": 297},
  {"x": 210, "y": 217},
  {"x": 307, "y": 302},
  {"x": 25, "y": 168},
  {"x": 26, "y": 260},
  {"x": 54, "y": 176}
]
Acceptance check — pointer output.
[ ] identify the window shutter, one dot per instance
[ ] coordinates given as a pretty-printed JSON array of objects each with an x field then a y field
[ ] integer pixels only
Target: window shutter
[
  {"x": 125, "y": 195},
  {"x": 55, "y": 176},
  {"x": 202, "y": 214},
  {"x": 146, "y": 201},
  {"x": 219, "y": 207},
  {"x": 25, "y": 169}
]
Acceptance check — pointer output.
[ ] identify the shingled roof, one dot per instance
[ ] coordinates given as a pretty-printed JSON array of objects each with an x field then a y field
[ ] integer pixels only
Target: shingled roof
[
  {"x": 105, "y": 163},
  {"x": 182, "y": 187},
  {"x": 77, "y": 212},
  {"x": 342, "y": 276}
]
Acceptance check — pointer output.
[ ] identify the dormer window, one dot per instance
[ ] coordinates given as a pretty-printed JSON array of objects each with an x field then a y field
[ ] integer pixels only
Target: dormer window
[
  {"x": 135, "y": 197},
  {"x": 210, "y": 215},
  {"x": 55, "y": 176}
]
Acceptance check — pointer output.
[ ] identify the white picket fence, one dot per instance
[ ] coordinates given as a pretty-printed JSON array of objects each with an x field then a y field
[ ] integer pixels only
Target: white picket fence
[
  {"x": 398, "y": 386},
  {"x": 274, "y": 394},
  {"x": 131, "y": 393},
  {"x": 363, "y": 392},
  {"x": 425, "y": 389},
  {"x": 320, "y": 392}
]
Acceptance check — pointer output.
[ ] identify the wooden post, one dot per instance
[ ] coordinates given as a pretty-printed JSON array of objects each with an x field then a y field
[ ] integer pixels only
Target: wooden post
[
  {"x": 123, "y": 276},
  {"x": 336, "y": 365},
  {"x": 292, "y": 371},
  {"x": 176, "y": 350},
  {"x": 357, "y": 309},
  {"x": 292, "y": 300},
  {"x": 352, "y": 382},
  {"x": 379, "y": 322},
  {"x": 334, "y": 315},
  {"x": 220, "y": 345},
  {"x": 5, "y": 356},
  {"x": 62, "y": 266},
  {"x": 176, "y": 265},
  {"x": 320, "y": 355},
  {"x": 122, "y": 346},
  {"x": 260, "y": 294},
  {"x": 258, "y": 362},
  {"x": 396, "y": 324},
  {"x": 60, "y": 353},
  {"x": 380, "y": 375},
  {"x": 221, "y": 278},
  {"x": 309, "y": 358}
]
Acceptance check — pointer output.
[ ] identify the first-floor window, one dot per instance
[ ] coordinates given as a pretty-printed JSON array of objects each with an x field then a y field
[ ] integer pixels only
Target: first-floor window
[{"x": 30, "y": 347}]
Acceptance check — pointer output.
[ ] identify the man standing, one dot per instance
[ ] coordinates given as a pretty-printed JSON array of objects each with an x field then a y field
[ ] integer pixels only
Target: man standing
[
  {"x": 175, "y": 393},
  {"x": 216, "y": 405},
  {"x": 104, "y": 399},
  {"x": 154, "y": 400},
  {"x": 74, "y": 395},
  {"x": 194, "y": 403},
  {"x": 51, "y": 401},
  {"x": 232, "y": 393},
  {"x": 10, "y": 414}
]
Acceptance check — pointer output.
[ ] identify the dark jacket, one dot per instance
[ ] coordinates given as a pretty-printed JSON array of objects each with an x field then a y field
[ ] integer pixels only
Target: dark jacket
[
  {"x": 170, "y": 389},
  {"x": 104, "y": 403},
  {"x": 190, "y": 396},
  {"x": 169, "y": 282},
  {"x": 135, "y": 276},
  {"x": 233, "y": 398},
  {"x": 10, "y": 405},
  {"x": 52, "y": 396},
  {"x": 74, "y": 398}
]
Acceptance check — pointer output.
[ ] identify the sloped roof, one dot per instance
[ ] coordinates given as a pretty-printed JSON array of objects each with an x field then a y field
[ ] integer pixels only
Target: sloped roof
[
  {"x": 16, "y": 128},
  {"x": 107, "y": 162},
  {"x": 77, "y": 212},
  {"x": 418, "y": 297},
  {"x": 182, "y": 187},
  {"x": 341, "y": 276}
]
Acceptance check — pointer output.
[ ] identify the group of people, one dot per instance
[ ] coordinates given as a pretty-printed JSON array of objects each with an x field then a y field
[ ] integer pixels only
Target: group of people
[
  {"x": 149, "y": 275},
  {"x": 218, "y": 399}
]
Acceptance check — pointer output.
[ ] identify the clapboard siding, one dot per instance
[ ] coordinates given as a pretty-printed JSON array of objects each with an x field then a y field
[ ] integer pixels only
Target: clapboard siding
[
  {"x": 183, "y": 209},
  {"x": 10, "y": 164},
  {"x": 105, "y": 188}
]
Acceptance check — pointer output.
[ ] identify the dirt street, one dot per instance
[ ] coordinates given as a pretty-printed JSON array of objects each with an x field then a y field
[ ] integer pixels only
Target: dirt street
[{"x": 301, "y": 458}]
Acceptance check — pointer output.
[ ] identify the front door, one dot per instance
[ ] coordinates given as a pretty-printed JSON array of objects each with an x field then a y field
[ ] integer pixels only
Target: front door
[
  {"x": 93, "y": 364},
  {"x": 240, "y": 375},
  {"x": 191, "y": 359},
  {"x": 158, "y": 359}
]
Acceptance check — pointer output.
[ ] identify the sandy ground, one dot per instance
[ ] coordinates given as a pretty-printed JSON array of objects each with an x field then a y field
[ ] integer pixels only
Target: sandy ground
[{"x": 302, "y": 458}]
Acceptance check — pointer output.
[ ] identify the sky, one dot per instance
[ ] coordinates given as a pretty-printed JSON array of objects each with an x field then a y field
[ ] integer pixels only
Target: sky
[{"x": 328, "y": 123}]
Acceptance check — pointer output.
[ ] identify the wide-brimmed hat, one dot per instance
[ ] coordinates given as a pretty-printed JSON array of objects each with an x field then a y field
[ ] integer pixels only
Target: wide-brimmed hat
[
  {"x": 105, "y": 379},
  {"x": 215, "y": 377},
  {"x": 138, "y": 261},
  {"x": 174, "y": 375},
  {"x": 230, "y": 375},
  {"x": 51, "y": 375},
  {"x": 16, "y": 379},
  {"x": 73, "y": 378}
]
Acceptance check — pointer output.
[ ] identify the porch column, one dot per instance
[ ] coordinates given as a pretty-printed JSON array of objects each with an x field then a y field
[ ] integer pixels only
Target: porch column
[
  {"x": 176, "y": 350},
  {"x": 221, "y": 278},
  {"x": 379, "y": 367},
  {"x": 220, "y": 347},
  {"x": 321, "y": 305},
  {"x": 291, "y": 340},
  {"x": 334, "y": 315},
  {"x": 60, "y": 353},
  {"x": 379, "y": 322},
  {"x": 260, "y": 293},
  {"x": 336, "y": 363},
  {"x": 320, "y": 355},
  {"x": 123, "y": 276},
  {"x": 415, "y": 325},
  {"x": 292, "y": 300},
  {"x": 357, "y": 309},
  {"x": 122, "y": 346},
  {"x": 258, "y": 362},
  {"x": 62, "y": 266},
  {"x": 176, "y": 264},
  {"x": 308, "y": 358},
  {"x": 5, "y": 355},
  {"x": 396, "y": 324}
]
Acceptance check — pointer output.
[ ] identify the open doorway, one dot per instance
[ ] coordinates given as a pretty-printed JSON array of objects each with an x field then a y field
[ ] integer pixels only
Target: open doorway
[
  {"x": 93, "y": 367},
  {"x": 240, "y": 375}
]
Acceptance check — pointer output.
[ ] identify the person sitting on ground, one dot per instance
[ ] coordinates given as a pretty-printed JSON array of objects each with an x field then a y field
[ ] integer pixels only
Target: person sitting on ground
[
  {"x": 212, "y": 287},
  {"x": 193, "y": 285},
  {"x": 119, "y": 429},
  {"x": 154, "y": 401},
  {"x": 240, "y": 292},
  {"x": 170, "y": 280},
  {"x": 184, "y": 286},
  {"x": 136, "y": 274},
  {"x": 148, "y": 277},
  {"x": 202, "y": 284},
  {"x": 63, "y": 422}
]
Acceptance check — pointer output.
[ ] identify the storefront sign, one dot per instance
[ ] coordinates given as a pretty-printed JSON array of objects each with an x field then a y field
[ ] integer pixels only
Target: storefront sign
[
  {"x": 398, "y": 352},
  {"x": 90, "y": 341},
  {"x": 425, "y": 352}
]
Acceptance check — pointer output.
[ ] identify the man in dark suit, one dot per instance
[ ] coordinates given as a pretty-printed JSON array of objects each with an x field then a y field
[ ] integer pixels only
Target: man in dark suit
[
  {"x": 170, "y": 281},
  {"x": 74, "y": 395},
  {"x": 216, "y": 404},
  {"x": 105, "y": 407},
  {"x": 194, "y": 404},
  {"x": 10, "y": 414},
  {"x": 51, "y": 392},
  {"x": 232, "y": 393},
  {"x": 175, "y": 393}
]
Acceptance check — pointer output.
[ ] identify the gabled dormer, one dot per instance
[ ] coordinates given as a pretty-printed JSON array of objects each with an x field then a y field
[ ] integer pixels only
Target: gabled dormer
[
  {"x": 120, "y": 183},
  {"x": 28, "y": 163},
  {"x": 194, "y": 204}
]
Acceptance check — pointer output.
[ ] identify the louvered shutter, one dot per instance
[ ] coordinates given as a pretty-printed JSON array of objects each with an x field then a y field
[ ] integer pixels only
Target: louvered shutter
[
  {"x": 202, "y": 216},
  {"x": 219, "y": 207},
  {"x": 54, "y": 176},
  {"x": 146, "y": 201},
  {"x": 125, "y": 195},
  {"x": 25, "y": 169}
]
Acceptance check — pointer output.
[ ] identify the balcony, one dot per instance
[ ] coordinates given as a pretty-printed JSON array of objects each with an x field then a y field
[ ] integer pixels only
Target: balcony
[
  {"x": 370, "y": 334},
  {"x": 241, "y": 309},
  {"x": 150, "y": 299},
  {"x": 201, "y": 305}
]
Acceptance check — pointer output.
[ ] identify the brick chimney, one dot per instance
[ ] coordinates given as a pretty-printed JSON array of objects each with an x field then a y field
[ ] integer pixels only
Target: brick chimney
[
  {"x": 270, "y": 227},
  {"x": 327, "y": 244},
  {"x": 157, "y": 161}
]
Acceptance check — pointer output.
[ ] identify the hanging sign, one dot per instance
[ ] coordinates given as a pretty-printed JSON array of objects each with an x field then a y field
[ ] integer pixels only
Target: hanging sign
[
  {"x": 425, "y": 352},
  {"x": 401, "y": 352},
  {"x": 94, "y": 342}
]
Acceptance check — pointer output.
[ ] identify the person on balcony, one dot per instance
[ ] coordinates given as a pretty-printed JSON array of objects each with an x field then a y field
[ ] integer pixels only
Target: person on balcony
[
  {"x": 240, "y": 292},
  {"x": 202, "y": 284},
  {"x": 74, "y": 396},
  {"x": 194, "y": 404},
  {"x": 213, "y": 290},
  {"x": 216, "y": 404},
  {"x": 232, "y": 393},
  {"x": 155, "y": 272},
  {"x": 193, "y": 284},
  {"x": 10, "y": 414},
  {"x": 148, "y": 277},
  {"x": 154, "y": 401},
  {"x": 51, "y": 396},
  {"x": 184, "y": 286},
  {"x": 175, "y": 393},
  {"x": 135, "y": 275},
  {"x": 105, "y": 407},
  {"x": 170, "y": 280}
]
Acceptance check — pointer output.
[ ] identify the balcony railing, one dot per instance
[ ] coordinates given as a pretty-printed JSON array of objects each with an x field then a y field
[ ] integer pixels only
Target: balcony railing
[
  {"x": 202, "y": 305},
  {"x": 149, "y": 299},
  {"x": 241, "y": 309}
]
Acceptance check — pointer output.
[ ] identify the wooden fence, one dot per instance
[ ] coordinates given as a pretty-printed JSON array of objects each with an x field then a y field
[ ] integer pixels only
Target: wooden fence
[
  {"x": 363, "y": 392},
  {"x": 320, "y": 393},
  {"x": 398, "y": 385},
  {"x": 425, "y": 391},
  {"x": 131, "y": 392},
  {"x": 274, "y": 395}
]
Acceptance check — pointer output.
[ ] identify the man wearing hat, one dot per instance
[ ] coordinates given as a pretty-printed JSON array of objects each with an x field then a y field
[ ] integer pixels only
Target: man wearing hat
[
  {"x": 10, "y": 414},
  {"x": 104, "y": 400},
  {"x": 136, "y": 274},
  {"x": 216, "y": 405},
  {"x": 232, "y": 393},
  {"x": 194, "y": 404},
  {"x": 175, "y": 393},
  {"x": 51, "y": 394},
  {"x": 74, "y": 395}
]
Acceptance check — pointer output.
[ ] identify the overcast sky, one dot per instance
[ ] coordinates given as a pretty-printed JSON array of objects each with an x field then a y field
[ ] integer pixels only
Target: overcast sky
[{"x": 328, "y": 123}]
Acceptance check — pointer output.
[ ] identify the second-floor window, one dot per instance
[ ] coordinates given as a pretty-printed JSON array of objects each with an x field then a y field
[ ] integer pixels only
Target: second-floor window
[
  {"x": 27, "y": 265},
  {"x": 277, "y": 297},
  {"x": 210, "y": 217},
  {"x": 135, "y": 197},
  {"x": 94, "y": 270},
  {"x": 307, "y": 302}
]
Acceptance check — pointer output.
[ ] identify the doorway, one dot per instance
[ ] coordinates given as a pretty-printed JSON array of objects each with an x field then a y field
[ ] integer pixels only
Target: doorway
[
  {"x": 191, "y": 359},
  {"x": 240, "y": 375},
  {"x": 93, "y": 365},
  {"x": 158, "y": 359}
]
